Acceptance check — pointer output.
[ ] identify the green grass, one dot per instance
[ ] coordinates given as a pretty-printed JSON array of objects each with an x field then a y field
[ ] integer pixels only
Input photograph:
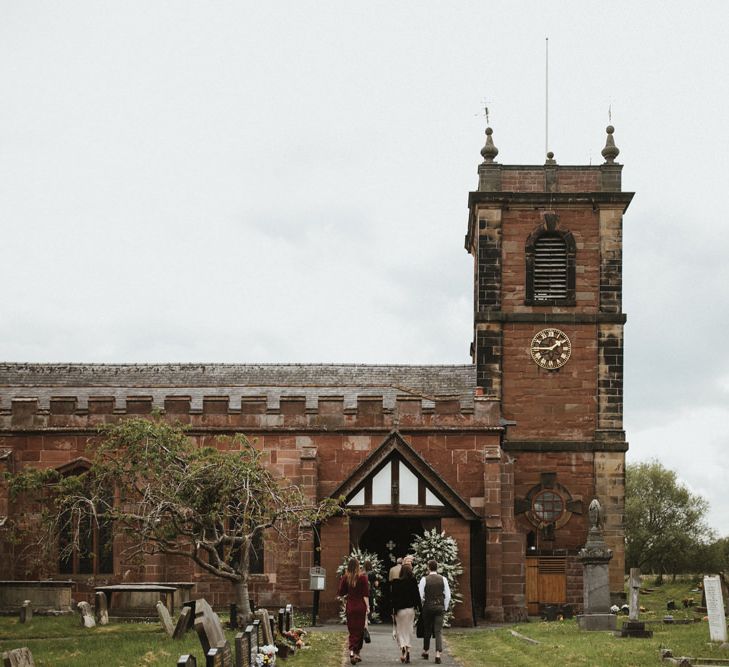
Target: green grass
[
  {"x": 62, "y": 642},
  {"x": 563, "y": 644}
]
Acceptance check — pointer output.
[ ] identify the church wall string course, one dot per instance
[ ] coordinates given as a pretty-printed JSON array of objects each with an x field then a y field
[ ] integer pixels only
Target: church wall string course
[{"x": 504, "y": 453}]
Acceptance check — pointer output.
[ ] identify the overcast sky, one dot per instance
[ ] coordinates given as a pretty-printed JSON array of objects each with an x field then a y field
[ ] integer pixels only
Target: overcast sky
[{"x": 287, "y": 181}]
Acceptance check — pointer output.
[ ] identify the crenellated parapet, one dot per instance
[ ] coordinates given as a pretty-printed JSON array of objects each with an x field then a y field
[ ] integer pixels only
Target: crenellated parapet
[
  {"x": 246, "y": 412},
  {"x": 244, "y": 397}
]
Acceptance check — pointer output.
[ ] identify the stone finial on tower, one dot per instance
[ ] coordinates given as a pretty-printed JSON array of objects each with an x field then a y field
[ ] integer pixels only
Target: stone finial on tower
[
  {"x": 611, "y": 151},
  {"x": 489, "y": 151},
  {"x": 550, "y": 158}
]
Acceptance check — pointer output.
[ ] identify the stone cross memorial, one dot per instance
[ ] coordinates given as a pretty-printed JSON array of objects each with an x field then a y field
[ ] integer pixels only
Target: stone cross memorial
[
  {"x": 633, "y": 627},
  {"x": 634, "y": 582},
  {"x": 715, "y": 608}
]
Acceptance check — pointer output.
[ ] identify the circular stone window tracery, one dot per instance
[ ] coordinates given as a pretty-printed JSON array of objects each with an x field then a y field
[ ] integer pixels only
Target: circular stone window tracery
[{"x": 548, "y": 506}]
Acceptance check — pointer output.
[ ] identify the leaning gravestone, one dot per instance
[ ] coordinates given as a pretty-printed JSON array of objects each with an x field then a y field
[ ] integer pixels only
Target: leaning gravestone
[
  {"x": 208, "y": 626},
  {"x": 87, "y": 616},
  {"x": 210, "y": 632},
  {"x": 182, "y": 623},
  {"x": 715, "y": 608},
  {"x": 102, "y": 611},
  {"x": 165, "y": 619},
  {"x": 265, "y": 625},
  {"x": 18, "y": 657}
]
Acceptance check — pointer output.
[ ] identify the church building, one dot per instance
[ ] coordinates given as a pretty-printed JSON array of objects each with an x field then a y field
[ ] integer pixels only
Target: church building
[{"x": 503, "y": 453}]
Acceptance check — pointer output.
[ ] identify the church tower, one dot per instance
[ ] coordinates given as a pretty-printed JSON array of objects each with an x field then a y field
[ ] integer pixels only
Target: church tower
[{"x": 548, "y": 347}]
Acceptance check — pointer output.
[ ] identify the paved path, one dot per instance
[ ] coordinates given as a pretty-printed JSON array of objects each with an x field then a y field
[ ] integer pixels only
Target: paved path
[{"x": 383, "y": 650}]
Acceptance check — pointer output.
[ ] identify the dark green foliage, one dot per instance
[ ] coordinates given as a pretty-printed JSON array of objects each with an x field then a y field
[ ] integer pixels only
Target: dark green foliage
[{"x": 665, "y": 525}]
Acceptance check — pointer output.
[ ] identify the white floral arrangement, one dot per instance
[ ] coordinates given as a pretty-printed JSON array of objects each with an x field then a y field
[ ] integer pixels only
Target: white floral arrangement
[{"x": 266, "y": 655}]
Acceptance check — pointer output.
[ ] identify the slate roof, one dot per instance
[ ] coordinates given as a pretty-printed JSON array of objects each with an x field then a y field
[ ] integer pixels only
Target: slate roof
[{"x": 42, "y": 381}]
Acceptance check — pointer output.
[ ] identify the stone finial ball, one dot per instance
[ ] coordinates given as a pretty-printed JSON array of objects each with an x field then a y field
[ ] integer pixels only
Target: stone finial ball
[
  {"x": 489, "y": 131},
  {"x": 550, "y": 155},
  {"x": 609, "y": 129}
]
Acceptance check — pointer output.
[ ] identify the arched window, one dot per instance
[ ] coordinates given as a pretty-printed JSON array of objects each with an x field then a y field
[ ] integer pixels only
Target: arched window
[
  {"x": 550, "y": 268},
  {"x": 85, "y": 544}
]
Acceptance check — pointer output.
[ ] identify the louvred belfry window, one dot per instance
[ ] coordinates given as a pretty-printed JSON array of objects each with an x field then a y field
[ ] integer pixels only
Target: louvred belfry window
[{"x": 550, "y": 268}]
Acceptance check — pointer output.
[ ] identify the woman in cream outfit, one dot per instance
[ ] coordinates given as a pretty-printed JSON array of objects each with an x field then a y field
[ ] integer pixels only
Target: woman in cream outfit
[{"x": 405, "y": 600}]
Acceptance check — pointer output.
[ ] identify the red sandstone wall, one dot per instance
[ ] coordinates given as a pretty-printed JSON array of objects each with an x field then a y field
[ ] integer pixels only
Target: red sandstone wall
[
  {"x": 575, "y": 471},
  {"x": 298, "y": 446},
  {"x": 517, "y": 225},
  {"x": 550, "y": 405}
]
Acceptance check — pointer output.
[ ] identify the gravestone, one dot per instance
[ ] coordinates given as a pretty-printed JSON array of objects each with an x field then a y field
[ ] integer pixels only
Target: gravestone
[
  {"x": 634, "y": 627},
  {"x": 252, "y": 649},
  {"x": 208, "y": 627},
  {"x": 165, "y": 619},
  {"x": 18, "y": 657},
  {"x": 187, "y": 660},
  {"x": 715, "y": 608},
  {"x": 242, "y": 651},
  {"x": 87, "y": 616},
  {"x": 595, "y": 557},
  {"x": 183, "y": 623},
  {"x": 289, "y": 617},
  {"x": 233, "y": 624},
  {"x": 102, "y": 611},
  {"x": 262, "y": 616},
  {"x": 26, "y": 612},
  {"x": 220, "y": 656},
  {"x": 281, "y": 620},
  {"x": 257, "y": 631},
  {"x": 634, "y": 582},
  {"x": 191, "y": 616}
]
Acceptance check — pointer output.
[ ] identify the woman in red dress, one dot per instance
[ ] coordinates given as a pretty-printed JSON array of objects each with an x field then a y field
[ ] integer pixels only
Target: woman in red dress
[{"x": 355, "y": 587}]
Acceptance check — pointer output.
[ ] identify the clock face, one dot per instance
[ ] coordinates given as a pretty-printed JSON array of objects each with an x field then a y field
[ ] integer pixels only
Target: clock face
[{"x": 551, "y": 349}]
